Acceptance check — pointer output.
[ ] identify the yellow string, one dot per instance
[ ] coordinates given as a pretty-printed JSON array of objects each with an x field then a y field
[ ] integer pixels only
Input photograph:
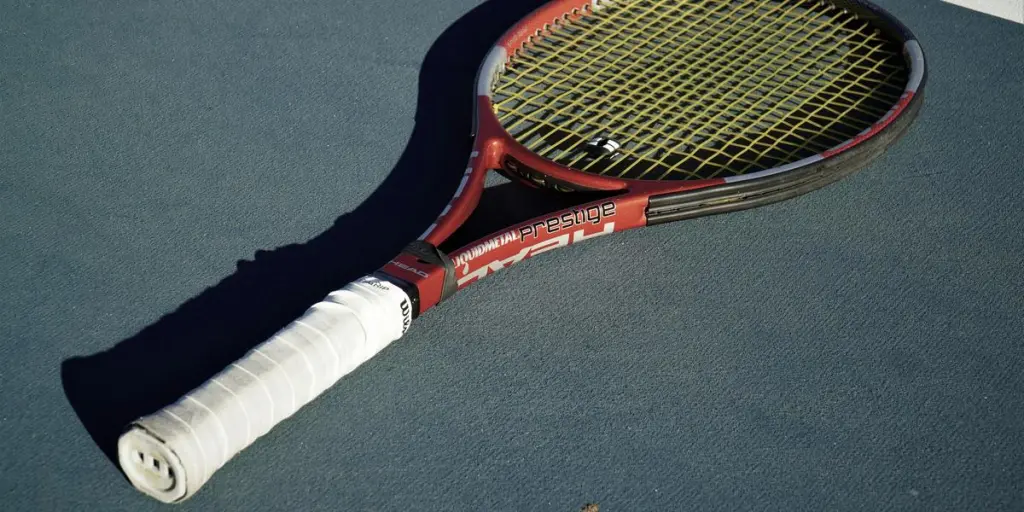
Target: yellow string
[
  {"x": 700, "y": 88},
  {"x": 787, "y": 101}
]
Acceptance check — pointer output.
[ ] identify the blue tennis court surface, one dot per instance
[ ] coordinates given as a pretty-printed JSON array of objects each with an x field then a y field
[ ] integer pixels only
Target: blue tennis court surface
[{"x": 178, "y": 180}]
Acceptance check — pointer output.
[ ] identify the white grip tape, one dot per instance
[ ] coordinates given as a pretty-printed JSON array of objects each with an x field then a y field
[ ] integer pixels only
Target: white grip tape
[{"x": 170, "y": 454}]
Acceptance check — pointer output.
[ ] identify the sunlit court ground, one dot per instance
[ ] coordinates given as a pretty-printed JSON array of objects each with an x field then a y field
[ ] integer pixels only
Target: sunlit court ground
[{"x": 180, "y": 179}]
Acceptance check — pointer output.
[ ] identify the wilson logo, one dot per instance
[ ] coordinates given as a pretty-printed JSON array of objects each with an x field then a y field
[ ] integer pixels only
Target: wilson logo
[
  {"x": 533, "y": 250},
  {"x": 406, "y": 315}
]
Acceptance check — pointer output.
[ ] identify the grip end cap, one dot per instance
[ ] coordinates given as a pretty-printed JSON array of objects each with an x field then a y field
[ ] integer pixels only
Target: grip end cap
[{"x": 151, "y": 465}]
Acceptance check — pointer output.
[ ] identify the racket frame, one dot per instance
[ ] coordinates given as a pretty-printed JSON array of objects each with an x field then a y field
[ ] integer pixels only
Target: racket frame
[
  {"x": 170, "y": 454},
  {"x": 429, "y": 276}
]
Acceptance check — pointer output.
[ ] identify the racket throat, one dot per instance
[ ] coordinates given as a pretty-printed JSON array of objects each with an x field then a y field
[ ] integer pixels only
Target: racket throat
[{"x": 426, "y": 274}]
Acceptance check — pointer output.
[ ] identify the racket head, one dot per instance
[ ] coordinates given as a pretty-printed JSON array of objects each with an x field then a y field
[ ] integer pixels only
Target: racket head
[
  {"x": 688, "y": 95},
  {"x": 752, "y": 101}
]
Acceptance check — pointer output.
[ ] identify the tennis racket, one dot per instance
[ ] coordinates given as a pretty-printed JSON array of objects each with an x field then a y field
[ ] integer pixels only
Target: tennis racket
[{"x": 669, "y": 109}]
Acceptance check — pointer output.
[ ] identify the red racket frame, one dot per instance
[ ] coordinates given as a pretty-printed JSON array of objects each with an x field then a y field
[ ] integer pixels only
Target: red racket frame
[{"x": 430, "y": 279}]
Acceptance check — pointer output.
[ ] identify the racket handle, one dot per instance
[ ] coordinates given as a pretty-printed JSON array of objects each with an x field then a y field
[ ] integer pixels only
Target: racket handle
[{"x": 170, "y": 454}]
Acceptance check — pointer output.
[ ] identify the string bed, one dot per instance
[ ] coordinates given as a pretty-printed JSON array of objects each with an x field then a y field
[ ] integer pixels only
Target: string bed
[{"x": 697, "y": 89}]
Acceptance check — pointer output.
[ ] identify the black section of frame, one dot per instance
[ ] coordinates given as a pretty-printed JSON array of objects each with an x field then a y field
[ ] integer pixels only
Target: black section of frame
[
  {"x": 407, "y": 287},
  {"x": 430, "y": 254},
  {"x": 770, "y": 189}
]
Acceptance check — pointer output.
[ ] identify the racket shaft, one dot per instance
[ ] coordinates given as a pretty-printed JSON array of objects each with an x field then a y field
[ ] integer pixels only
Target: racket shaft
[{"x": 170, "y": 454}]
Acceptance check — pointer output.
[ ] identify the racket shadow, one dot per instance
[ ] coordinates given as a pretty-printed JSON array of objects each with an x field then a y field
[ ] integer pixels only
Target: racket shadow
[{"x": 181, "y": 350}]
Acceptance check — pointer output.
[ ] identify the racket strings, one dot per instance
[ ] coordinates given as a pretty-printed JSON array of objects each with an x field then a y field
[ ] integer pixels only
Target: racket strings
[
  {"x": 611, "y": 84},
  {"x": 698, "y": 89},
  {"x": 585, "y": 50},
  {"x": 817, "y": 127},
  {"x": 635, "y": 111},
  {"x": 794, "y": 104},
  {"x": 713, "y": 93}
]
